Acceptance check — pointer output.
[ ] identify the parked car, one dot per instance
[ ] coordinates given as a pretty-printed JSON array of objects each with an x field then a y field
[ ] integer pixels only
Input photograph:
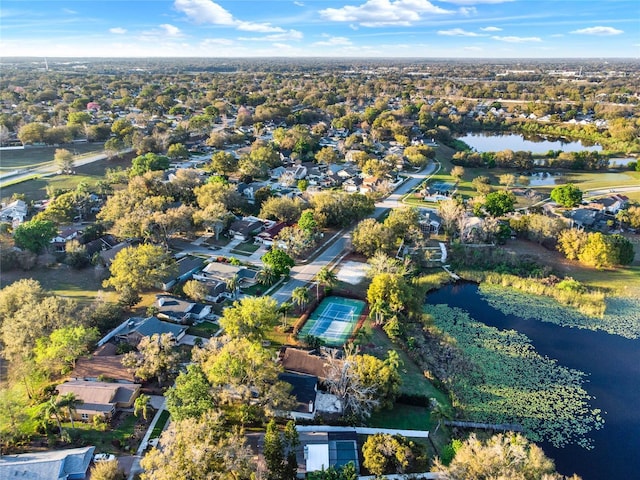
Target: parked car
[{"x": 104, "y": 457}]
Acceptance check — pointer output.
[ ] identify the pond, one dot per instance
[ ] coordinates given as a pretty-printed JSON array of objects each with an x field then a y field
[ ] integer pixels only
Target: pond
[
  {"x": 495, "y": 142},
  {"x": 611, "y": 363}
]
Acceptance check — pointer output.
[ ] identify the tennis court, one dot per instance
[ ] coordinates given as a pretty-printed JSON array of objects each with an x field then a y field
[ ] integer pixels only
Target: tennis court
[{"x": 334, "y": 320}]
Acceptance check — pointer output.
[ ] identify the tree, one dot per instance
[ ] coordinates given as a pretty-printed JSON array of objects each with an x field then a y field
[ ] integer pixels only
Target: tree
[
  {"x": 602, "y": 251},
  {"x": 34, "y": 235},
  {"x": 191, "y": 395},
  {"x": 223, "y": 163},
  {"x": 156, "y": 357},
  {"x": 499, "y": 203},
  {"x": 79, "y": 118},
  {"x": 70, "y": 402},
  {"x": 195, "y": 290},
  {"x": 403, "y": 221},
  {"x": 567, "y": 195},
  {"x": 63, "y": 159},
  {"x": 283, "y": 209},
  {"x": 177, "y": 150},
  {"x": 215, "y": 216},
  {"x": 278, "y": 261},
  {"x": 502, "y": 456},
  {"x": 266, "y": 276},
  {"x": 32, "y": 133},
  {"x": 457, "y": 172},
  {"x": 385, "y": 453},
  {"x": 148, "y": 163},
  {"x": 326, "y": 155},
  {"x": 250, "y": 317},
  {"x": 241, "y": 370},
  {"x": 140, "y": 267},
  {"x": 325, "y": 278},
  {"x": 390, "y": 289},
  {"x": 380, "y": 262},
  {"x": 371, "y": 236},
  {"x": 16, "y": 295},
  {"x": 107, "y": 471},
  {"x": 63, "y": 347},
  {"x": 307, "y": 222},
  {"x": 451, "y": 211},
  {"x": 52, "y": 408},
  {"x": 571, "y": 242},
  {"x": 279, "y": 452},
  {"x": 482, "y": 184},
  {"x": 300, "y": 297},
  {"x": 141, "y": 405},
  {"x": 196, "y": 448},
  {"x": 76, "y": 254},
  {"x": 507, "y": 179}
]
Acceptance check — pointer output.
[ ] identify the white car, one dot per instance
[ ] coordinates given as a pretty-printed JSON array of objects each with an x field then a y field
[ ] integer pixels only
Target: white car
[{"x": 104, "y": 457}]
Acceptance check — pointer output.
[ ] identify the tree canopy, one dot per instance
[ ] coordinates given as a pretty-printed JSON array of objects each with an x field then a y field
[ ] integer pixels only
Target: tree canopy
[
  {"x": 34, "y": 235},
  {"x": 567, "y": 195},
  {"x": 140, "y": 267},
  {"x": 250, "y": 317}
]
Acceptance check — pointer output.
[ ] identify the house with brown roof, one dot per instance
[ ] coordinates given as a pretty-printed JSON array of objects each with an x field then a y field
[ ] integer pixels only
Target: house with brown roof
[
  {"x": 103, "y": 365},
  {"x": 99, "y": 398},
  {"x": 305, "y": 362}
]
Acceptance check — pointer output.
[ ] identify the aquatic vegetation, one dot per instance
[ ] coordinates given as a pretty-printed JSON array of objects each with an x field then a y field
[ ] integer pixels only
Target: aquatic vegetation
[
  {"x": 621, "y": 317},
  {"x": 511, "y": 383}
]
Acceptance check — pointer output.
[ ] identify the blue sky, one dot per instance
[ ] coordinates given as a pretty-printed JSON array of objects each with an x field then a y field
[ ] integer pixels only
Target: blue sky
[{"x": 333, "y": 28}]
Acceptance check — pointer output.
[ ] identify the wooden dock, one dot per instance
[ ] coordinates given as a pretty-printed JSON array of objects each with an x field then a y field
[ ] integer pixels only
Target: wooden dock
[{"x": 504, "y": 427}]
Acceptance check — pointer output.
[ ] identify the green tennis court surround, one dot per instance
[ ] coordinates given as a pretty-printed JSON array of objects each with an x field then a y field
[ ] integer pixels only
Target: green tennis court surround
[{"x": 334, "y": 320}]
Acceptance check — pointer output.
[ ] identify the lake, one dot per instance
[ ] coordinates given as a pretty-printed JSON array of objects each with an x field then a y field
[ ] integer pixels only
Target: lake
[
  {"x": 613, "y": 368},
  {"x": 495, "y": 142}
]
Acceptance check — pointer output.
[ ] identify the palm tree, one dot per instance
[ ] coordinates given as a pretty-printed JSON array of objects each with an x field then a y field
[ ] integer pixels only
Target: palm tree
[
  {"x": 300, "y": 297},
  {"x": 439, "y": 412},
  {"x": 266, "y": 276},
  {"x": 326, "y": 278},
  {"x": 70, "y": 402},
  {"x": 379, "y": 310},
  {"x": 141, "y": 405},
  {"x": 233, "y": 284},
  {"x": 285, "y": 308},
  {"x": 52, "y": 408}
]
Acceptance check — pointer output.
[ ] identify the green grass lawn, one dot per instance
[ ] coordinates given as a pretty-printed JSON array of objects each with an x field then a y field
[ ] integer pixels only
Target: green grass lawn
[
  {"x": 160, "y": 424},
  {"x": 375, "y": 342},
  {"x": 204, "y": 329},
  {"x": 245, "y": 249},
  {"x": 81, "y": 285},
  {"x": 87, "y": 434},
  {"x": 402, "y": 417},
  {"x": 36, "y": 189},
  {"x": 32, "y": 156}
]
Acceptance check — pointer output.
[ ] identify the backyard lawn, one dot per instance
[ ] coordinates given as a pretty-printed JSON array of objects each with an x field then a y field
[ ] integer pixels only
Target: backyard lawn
[
  {"x": 107, "y": 441},
  {"x": 205, "y": 329}
]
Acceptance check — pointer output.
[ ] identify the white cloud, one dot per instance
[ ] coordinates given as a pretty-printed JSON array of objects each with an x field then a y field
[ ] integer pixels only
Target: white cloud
[
  {"x": 375, "y": 13},
  {"x": 299, "y": 4},
  {"x": 276, "y": 37},
  {"x": 458, "y": 32},
  {"x": 333, "y": 42},
  {"x": 118, "y": 30},
  {"x": 600, "y": 31},
  {"x": 513, "y": 39},
  {"x": 171, "y": 30},
  {"x": 473, "y": 49},
  {"x": 206, "y": 11},
  {"x": 215, "y": 42},
  {"x": 468, "y": 11},
  {"x": 491, "y": 29},
  {"x": 68, "y": 11}
]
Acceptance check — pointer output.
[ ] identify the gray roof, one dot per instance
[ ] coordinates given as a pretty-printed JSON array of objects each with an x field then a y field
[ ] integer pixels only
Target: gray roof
[
  {"x": 50, "y": 465},
  {"x": 150, "y": 326}
]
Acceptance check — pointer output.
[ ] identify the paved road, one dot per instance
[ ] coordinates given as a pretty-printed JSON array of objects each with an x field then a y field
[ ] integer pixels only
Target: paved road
[
  {"x": 52, "y": 169},
  {"x": 302, "y": 275}
]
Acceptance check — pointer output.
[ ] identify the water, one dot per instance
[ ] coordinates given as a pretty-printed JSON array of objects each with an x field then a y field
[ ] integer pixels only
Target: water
[
  {"x": 613, "y": 366},
  {"x": 495, "y": 142}
]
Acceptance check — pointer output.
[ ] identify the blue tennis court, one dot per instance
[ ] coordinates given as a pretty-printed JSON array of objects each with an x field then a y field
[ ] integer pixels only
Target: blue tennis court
[{"x": 333, "y": 320}]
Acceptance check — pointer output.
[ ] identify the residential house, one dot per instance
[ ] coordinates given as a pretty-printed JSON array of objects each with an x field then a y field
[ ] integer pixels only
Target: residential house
[
  {"x": 14, "y": 213},
  {"x": 68, "y": 464},
  {"x": 322, "y": 450},
  {"x": 352, "y": 185},
  {"x": 180, "y": 310},
  {"x": 583, "y": 218},
  {"x": 103, "y": 243},
  {"x": 99, "y": 398},
  {"x": 59, "y": 242},
  {"x": 304, "y": 389},
  {"x": 107, "y": 256},
  {"x": 132, "y": 330},
  {"x": 611, "y": 204},
  {"x": 267, "y": 236},
  {"x": 245, "y": 228},
  {"x": 295, "y": 360},
  {"x": 103, "y": 365},
  {"x": 223, "y": 272},
  {"x": 187, "y": 266},
  {"x": 429, "y": 221}
]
